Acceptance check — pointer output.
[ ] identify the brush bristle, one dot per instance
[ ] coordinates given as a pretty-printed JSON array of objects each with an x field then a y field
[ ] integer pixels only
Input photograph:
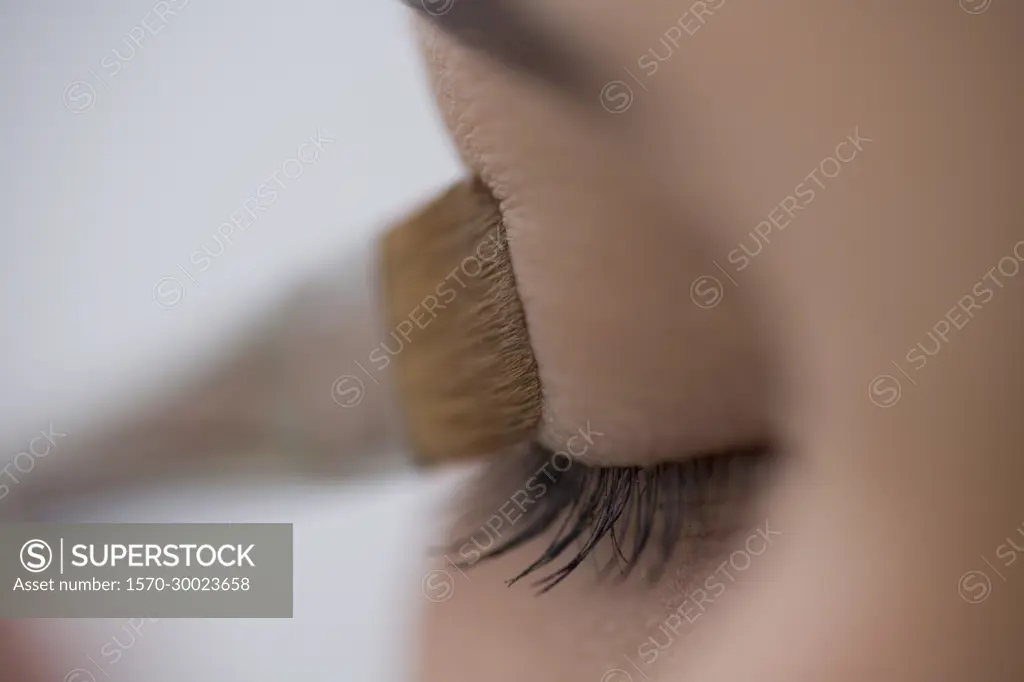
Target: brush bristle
[{"x": 464, "y": 366}]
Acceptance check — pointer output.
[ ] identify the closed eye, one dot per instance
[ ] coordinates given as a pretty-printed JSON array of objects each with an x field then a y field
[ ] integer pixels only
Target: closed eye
[{"x": 634, "y": 510}]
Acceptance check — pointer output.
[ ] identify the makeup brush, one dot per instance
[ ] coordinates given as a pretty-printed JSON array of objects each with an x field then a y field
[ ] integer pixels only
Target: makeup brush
[
  {"x": 465, "y": 373},
  {"x": 463, "y": 379}
]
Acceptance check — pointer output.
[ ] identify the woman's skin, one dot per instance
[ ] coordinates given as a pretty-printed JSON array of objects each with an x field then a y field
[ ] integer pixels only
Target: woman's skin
[{"x": 905, "y": 466}]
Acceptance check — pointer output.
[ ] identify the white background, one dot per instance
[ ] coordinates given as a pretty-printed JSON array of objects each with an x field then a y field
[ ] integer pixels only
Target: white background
[{"x": 100, "y": 204}]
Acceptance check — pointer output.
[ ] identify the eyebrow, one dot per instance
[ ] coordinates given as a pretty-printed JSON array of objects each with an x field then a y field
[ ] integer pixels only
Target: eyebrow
[{"x": 512, "y": 36}]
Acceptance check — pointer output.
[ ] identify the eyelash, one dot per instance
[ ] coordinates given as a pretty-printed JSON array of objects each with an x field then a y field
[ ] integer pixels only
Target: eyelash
[{"x": 628, "y": 505}]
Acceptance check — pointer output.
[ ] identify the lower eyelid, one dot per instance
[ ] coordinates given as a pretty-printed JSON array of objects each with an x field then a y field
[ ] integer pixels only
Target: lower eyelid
[{"x": 635, "y": 516}]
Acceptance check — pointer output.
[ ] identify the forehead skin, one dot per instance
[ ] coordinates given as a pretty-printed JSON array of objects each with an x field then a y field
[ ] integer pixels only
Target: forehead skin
[{"x": 604, "y": 275}]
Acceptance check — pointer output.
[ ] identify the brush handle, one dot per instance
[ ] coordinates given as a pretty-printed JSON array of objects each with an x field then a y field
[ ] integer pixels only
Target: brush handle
[{"x": 268, "y": 406}]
